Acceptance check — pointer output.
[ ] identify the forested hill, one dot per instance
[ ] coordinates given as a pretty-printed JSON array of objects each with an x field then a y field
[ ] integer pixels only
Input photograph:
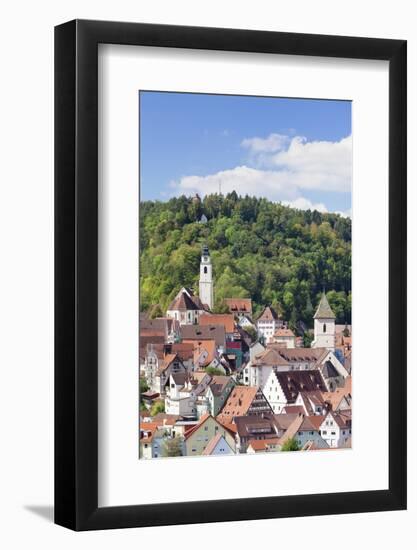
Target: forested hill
[{"x": 260, "y": 249}]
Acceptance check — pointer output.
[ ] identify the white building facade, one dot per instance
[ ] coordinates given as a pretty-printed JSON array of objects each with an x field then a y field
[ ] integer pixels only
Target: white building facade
[
  {"x": 206, "y": 292},
  {"x": 324, "y": 326}
]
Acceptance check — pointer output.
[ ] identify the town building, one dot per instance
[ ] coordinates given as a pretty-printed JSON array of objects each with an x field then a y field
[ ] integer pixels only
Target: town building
[
  {"x": 165, "y": 327},
  {"x": 150, "y": 445},
  {"x": 217, "y": 393},
  {"x": 324, "y": 325},
  {"x": 243, "y": 401},
  {"x": 198, "y": 437},
  {"x": 336, "y": 428},
  {"x": 251, "y": 428},
  {"x": 268, "y": 323},
  {"x": 153, "y": 357},
  {"x": 192, "y": 333},
  {"x": 310, "y": 430},
  {"x": 275, "y": 357},
  {"x": 333, "y": 371},
  {"x": 218, "y": 446},
  {"x": 341, "y": 398},
  {"x": 246, "y": 322},
  {"x": 284, "y": 337},
  {"x": 311, "y": 403},
  {"x": 263, "y": 446},
  {"x": 186, "y": 307},
  {"x": 183, "y": 391},
  {"x": 282, "y": 388},
  {"x": 240, "y": 307},
  {"x": 170, "y": 365},
  {"x": 206, "y": 289}
]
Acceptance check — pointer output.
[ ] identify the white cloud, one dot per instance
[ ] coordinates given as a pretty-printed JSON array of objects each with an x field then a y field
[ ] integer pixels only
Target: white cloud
[
  {"x": 319, "y": 165},
  {"x": 271, "y": 144},
  {"x": 242, "y": 179},
  {"x": 346, "y": 214},
  {"x": 305, "y": 204},
  {"x": 281, "y": 168}
]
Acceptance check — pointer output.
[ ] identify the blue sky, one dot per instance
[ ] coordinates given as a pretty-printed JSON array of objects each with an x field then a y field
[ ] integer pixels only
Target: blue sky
[{"x": 296, "y": 151}]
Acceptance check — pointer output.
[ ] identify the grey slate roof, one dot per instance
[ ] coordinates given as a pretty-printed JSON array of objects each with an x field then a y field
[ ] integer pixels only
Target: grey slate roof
[
  {"x": 324, "y": 311},
  {"x": 329, "y": 371}
]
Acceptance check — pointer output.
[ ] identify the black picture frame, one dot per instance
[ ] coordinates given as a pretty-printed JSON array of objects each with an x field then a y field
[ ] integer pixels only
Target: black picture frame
[{"x": 76, "y": 271}]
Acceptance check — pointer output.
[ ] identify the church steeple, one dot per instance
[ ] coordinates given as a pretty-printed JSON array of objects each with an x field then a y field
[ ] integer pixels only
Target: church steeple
[
  {"x": 324, "y": 311},
  {"x": 324, "y": 325},
  {"x": 206, "y": 278}
]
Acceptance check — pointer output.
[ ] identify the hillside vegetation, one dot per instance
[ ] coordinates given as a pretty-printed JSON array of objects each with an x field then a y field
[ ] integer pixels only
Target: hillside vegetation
[{"x": 259, "y": 249}]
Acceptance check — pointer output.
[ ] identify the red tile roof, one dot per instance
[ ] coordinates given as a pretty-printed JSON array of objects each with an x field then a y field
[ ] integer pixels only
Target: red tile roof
[
  {"x": 239, "y": 305},
  {"x": 260, "y": 445},
  {"x": 223, "y": 319},
  {"x": 183, "y": 302},
  {"x": 284, "y": 332},
  {"x": 268, "y": 314}
]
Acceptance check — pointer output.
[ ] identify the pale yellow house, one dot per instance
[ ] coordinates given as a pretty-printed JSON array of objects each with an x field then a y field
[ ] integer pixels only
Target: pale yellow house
[{"x": 197, "y": 439}]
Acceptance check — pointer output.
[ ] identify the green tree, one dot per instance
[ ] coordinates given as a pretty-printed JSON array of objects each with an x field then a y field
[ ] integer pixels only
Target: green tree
[
  {"x": 221, "y": 307},
  {"x": 213, "y": 371},
  {"x": 259, "y": 249},
  {"x": 307, "y": 339},
  {"x": 290, "y": 445},
  {"x": 157, "y": 407},
  {"x": 143, "y": 385},
  {"x": 172, "y": 447}
]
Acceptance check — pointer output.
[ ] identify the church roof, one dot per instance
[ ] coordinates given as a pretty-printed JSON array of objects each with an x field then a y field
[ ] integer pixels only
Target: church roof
[
  {"x": 324, "y": 311},
  {"x": 183, "y": 302}
]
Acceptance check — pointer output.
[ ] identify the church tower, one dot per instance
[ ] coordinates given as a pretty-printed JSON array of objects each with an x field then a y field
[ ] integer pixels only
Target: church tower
[
  {"x": 206, "y": 278},
  {"x": 324, "y": 326}
]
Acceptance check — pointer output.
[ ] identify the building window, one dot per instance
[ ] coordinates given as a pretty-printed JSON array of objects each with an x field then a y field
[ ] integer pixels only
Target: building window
[
  {"x": 205, "y": 269},
  {"x": 324, "y": 327}
]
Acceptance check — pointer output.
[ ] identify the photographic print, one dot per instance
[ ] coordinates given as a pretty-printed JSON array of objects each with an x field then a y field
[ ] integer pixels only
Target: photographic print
[{"x": 245, "y": 331}]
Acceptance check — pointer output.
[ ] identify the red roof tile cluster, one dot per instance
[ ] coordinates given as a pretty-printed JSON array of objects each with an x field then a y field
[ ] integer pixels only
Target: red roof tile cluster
[
  {"x": 223, "y": 319},
  {"x": 239, "y": 305}
]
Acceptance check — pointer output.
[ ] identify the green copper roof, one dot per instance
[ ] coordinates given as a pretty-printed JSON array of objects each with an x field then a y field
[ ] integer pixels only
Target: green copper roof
[{"x": 324, "y": 311}]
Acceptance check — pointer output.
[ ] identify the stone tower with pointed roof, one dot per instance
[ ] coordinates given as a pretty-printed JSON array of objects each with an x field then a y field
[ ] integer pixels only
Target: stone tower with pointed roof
[
  {"x": 324, "y": 325},
  {"x": 206, "y": 278}
]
